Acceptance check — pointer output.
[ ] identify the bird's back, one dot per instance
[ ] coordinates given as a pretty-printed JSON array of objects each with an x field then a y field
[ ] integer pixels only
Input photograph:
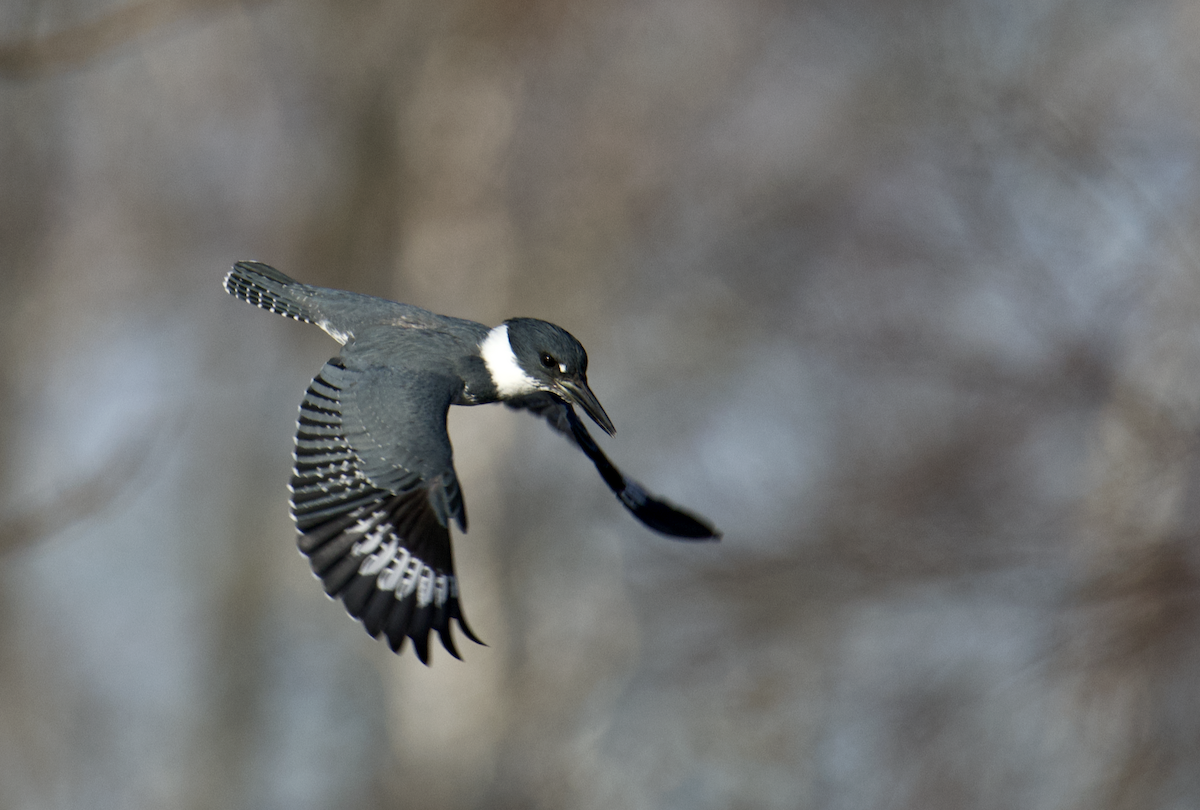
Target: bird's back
[{"x": 344, "y": 315}]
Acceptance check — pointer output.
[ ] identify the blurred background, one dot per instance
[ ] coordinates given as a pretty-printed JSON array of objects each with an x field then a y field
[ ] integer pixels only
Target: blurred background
[{"x": 904, "y": 296}]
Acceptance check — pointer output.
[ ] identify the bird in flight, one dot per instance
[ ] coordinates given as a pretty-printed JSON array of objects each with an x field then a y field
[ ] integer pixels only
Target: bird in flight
[{"x": 373, "y": 486}]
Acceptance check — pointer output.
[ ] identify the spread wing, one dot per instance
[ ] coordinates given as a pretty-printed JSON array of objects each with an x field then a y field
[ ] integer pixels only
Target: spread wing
[
  {"x": 373, "y": 494},
  {"x": 655, "y": 512}
]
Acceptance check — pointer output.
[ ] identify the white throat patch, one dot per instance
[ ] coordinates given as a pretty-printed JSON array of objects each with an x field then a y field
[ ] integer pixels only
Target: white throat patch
[{"x": 502, "y": 364}]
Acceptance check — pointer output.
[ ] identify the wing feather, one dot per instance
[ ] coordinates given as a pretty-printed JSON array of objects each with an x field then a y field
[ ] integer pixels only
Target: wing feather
[
  {"x": 372, "y": 517},
  {"x": 659, "y": 514}
]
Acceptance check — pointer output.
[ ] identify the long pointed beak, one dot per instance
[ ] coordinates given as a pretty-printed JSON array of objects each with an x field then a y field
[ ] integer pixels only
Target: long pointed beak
[{"x": 577, "y": 392}]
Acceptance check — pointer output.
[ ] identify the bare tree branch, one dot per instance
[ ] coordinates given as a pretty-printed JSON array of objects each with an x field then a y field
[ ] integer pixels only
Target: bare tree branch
[
  {"x": 78, "y": 45},
  {"x": 123, "y": 471}
]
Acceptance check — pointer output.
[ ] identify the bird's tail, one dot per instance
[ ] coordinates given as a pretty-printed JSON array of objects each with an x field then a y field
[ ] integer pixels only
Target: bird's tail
[{"x": 264, "y": 286}]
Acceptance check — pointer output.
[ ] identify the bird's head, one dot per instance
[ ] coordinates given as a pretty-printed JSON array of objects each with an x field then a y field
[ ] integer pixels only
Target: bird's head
[{"x": 550, "y": 359}]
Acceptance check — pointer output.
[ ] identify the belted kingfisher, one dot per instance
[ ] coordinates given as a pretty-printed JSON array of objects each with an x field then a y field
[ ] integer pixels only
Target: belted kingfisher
[{"x": 373, "y": 485}]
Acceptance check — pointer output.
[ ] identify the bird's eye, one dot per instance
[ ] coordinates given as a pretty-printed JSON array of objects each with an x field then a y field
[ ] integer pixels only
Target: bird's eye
[{"x": 548, "y": 361}]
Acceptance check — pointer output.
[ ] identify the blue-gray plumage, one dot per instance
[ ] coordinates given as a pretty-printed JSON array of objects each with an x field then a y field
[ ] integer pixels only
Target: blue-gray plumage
[{"x": 373, "y": 487}]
